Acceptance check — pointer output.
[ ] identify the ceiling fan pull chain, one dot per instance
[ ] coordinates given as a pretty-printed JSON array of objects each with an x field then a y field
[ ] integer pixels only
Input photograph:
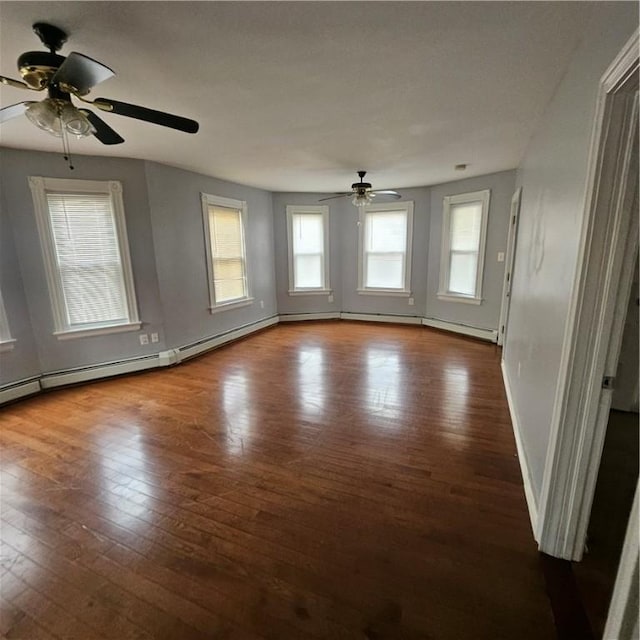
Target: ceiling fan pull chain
[{"x": 66, "y": 148}]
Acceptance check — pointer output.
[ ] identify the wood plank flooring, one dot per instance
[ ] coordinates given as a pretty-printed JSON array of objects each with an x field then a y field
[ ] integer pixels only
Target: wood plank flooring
[{"x": 316, "y": 480}]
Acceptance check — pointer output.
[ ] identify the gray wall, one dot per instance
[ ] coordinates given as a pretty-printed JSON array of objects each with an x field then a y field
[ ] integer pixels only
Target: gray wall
[
  {"x": 343, "y": 230},
  {"x": 18, "y": 213},
  {"x": 487, "y": 314},
  {"x": 308, "y": 303},
  {"x": 553, "y": 177},
  {"x": 178, "y": 233},
  {"x": 22, "y": 360}
]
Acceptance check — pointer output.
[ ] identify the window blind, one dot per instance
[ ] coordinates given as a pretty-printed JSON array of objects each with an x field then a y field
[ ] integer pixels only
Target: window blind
[
  {"x": 308, "y": 250},
  {"x": 88, "y": 258},
  {"x": 385, "y": 247},
  {"x": 227, "y": 250},
  {"x": 465, "y": 228}
]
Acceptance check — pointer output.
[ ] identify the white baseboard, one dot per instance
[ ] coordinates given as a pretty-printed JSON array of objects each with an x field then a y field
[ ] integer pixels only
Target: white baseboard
[
  {"x": 19, "y": 389},
  {"x": 295, "y": 317},
  {"x": 106, "y": 370},
  {"x": 131, "y": 365},
  {"x": 522, "y": 457},
  {"x": 206, "y": 344},
  {"x": 378, "y": 317},
  {"x": 485, "y": 334}
]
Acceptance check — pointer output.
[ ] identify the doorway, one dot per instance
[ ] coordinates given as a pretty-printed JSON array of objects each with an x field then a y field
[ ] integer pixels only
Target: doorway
[{"x": 617, "y": 476}]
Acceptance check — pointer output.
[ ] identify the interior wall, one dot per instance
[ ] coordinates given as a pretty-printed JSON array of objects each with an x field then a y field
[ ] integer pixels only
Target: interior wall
[
  {"x": 18, "y": 214},
  {"x": 308, "y": 303},
  {"x": 553, "y": 179},
  {"x": 343, "y": 229},
  {"x": 178, "y": 234},
  {"x": 487, "y": 314},
  {"x": 21, "y": 360}
]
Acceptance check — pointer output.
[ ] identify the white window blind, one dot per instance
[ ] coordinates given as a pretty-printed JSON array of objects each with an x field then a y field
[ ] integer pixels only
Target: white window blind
[
  {"x": 88, "y": 260},
  {"x": 307, "y": 237},
  {"x": 385, "y": 249},
  {"x": 464, "y": 225},
  {"x": 227, "y": 254}
]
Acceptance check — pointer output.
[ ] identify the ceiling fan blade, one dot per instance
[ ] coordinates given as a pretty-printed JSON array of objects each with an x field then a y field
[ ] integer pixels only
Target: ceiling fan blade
[
  {"x": 149, "y": 115},
  {"x": 78, "y": 73},
  {"x": 338, "y": 195},
  {"x": 13, "y": 111},
  {"x": 10, "y": 82},
  {"x": 386, "y": 192},
  {"x": 103, "y": 132}
]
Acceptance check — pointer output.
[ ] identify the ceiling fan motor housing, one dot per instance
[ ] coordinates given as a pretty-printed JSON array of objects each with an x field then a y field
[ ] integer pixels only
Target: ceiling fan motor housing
[{"x": 37, "y": 67}]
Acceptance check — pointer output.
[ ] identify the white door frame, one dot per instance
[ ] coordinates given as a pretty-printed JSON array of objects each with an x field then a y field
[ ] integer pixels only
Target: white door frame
[
  {"x": 514, "y": 217},
  {"x": 608, "y": 239}
]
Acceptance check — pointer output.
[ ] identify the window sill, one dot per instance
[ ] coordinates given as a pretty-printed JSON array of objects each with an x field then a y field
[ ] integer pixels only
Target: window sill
[
  {"x": 310, "y": 292},
  {"x": 7, "y": 345},
  {"x": 452, "y": 297},
  {"x": 71, "y": 334},
  {"x": 234, "y": 304},
  {"x": 385, "y": 292}
]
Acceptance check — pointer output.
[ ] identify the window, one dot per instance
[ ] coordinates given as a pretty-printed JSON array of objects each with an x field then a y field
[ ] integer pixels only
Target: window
[
  {"x": 308, "y": 234},
  {"x": 385, "y": 249},
  {"x": 226, "y": 253},
  {"x": 86, "y": 255},
  {"x": 6, "y": 341},
  {"x": 464, "y": 230}
]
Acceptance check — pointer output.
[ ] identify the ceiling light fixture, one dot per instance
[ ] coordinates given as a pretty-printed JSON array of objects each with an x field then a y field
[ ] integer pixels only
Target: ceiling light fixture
[
  {"x": 55, "y": 116},
  {"x": 361, "y": 199},
  {"x": 60, "y": 118}
]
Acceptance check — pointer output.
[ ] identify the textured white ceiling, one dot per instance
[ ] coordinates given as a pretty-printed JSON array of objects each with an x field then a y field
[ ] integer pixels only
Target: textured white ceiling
[{"x": 296, "y": 96}]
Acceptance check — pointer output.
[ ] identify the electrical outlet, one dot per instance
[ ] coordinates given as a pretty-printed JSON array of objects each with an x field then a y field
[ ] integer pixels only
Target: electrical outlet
[
  {"x": 411, "y": 302},
  {"x": 154, "y": 337},
  {"x": 330, "y": 297},
  {"x": 500, "y": 256},
  {"x": 144, "y": 338},
  {"x": 262, "y": 304}
]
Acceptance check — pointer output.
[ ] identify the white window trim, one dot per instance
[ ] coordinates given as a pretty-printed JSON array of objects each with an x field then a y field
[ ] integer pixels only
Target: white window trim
[
  {"x": 314, "y": 210},
  {"x": 231, "y": 203},
  {"x": 6, "y": 341},
  {"x": 39, "y": 186},
  {"x": 375, "y": 291},
  {"x": 445, "y": 249}
]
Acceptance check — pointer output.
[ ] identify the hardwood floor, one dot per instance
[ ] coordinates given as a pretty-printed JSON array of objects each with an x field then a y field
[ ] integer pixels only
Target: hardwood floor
[{"x": 316, "y": 480}]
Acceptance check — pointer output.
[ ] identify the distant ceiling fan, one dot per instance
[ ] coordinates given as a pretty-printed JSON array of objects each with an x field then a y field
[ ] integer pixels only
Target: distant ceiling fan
[
  {"x": 74, "y": 76},
  {"x": 362, "y": 194}
]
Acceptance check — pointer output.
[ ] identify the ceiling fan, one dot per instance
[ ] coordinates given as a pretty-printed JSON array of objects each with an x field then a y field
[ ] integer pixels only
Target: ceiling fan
[
  {"x": 362, "y": 194},
  {"x": 74, "y": 76}
]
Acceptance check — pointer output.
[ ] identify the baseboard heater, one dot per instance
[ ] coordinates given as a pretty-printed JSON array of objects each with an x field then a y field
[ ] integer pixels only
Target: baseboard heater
[
  {"x": 19, "y": 389},
  {"x": 206, "y": 344},
  {"x": 484, "y": 334},
  {"x": 142, "y": 363}
]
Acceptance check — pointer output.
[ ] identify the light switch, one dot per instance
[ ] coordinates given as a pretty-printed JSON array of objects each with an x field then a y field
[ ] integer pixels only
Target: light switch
[{"x": 500, "y": 256}]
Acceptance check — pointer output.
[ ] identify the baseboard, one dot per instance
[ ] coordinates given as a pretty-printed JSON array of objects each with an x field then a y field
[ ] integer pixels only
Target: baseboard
[
  {"x": 522, "y": 457},
  {"x": 95, "y": 372},
  {"x": 295, "y": 317},
  {"x": 129, "y": 365},
  {"x": 485, "y": 334},
  {"x": 19, "y": 389},
  {"x": 379, "y": 317},
  {"x": 212, "y": 342}
]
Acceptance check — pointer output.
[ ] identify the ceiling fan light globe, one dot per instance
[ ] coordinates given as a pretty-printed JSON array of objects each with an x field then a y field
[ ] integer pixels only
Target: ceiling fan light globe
[
  {"x": 361, "y": 199},
  {"x": 75, "y": 122},
  {"x": 45, "y": 116}
]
